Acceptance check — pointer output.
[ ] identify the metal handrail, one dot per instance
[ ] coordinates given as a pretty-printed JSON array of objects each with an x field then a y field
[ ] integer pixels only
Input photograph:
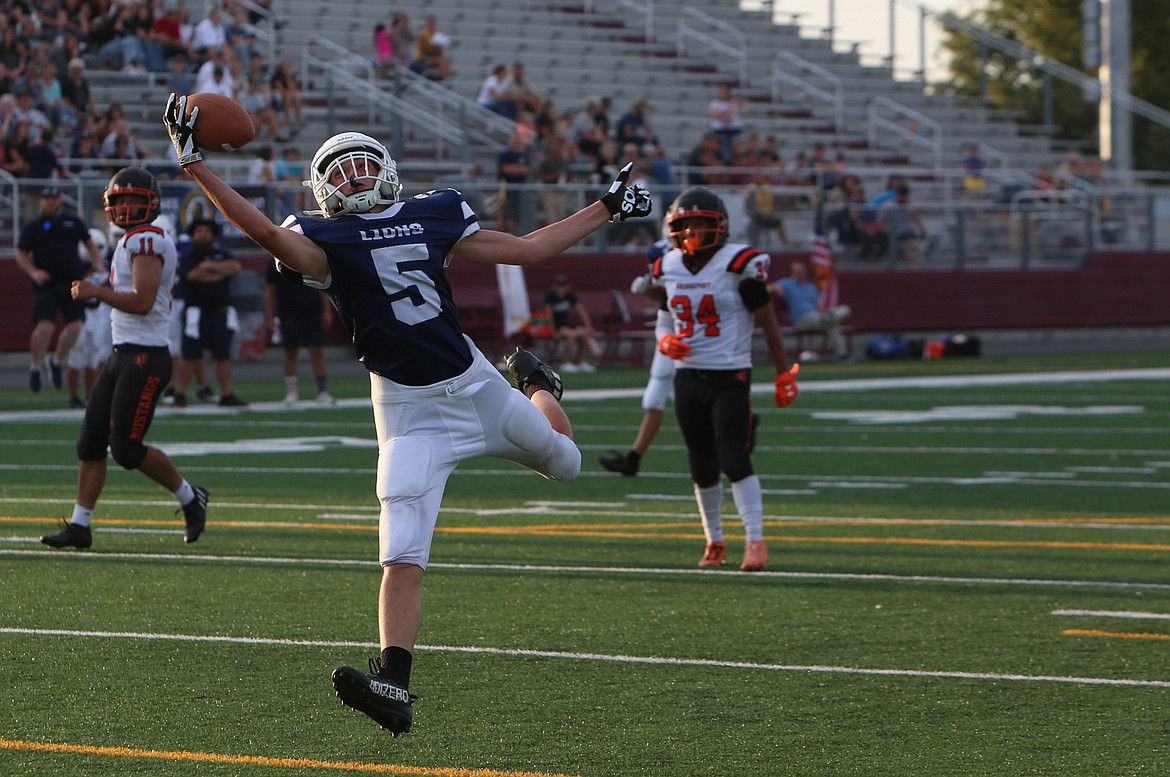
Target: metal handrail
[
  {"x": 835, "y": 97},
  {"x": 736, "y": 51},
  {"x": 923, "y": 122}
]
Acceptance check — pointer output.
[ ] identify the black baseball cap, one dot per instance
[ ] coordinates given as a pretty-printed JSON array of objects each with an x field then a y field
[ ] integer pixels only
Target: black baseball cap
[{"x": 51, "y": 191}]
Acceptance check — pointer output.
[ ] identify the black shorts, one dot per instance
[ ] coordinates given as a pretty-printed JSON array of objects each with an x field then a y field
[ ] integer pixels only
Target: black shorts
[
  {"x": 122, "y": 403},
  {"x": 54, "y": 296},
  {"x": 214, "y": 335},
  {"x": 298, "y": 331},
  {"x": 714, "y": 411}
]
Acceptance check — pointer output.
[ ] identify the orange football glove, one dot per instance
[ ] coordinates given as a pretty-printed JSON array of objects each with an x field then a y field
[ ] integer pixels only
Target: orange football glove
[
  {"x": 674, "y": 346},
  {"x": 786, "y": 389}
]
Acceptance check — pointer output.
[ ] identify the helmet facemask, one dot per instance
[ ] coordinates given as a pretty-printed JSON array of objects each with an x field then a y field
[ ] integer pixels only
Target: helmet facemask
[
  {"x": 350, "y": 159},
  {"x": 132, "y": 198},
  {"x": 694, "y": 231}
]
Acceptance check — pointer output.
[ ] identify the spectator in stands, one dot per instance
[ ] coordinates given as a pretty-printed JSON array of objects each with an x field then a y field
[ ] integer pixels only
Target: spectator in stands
[
  {"x": 634, "y": 125},
  {"x": 240, "y": 36},
  {"x": 210, "y": 34},
  {"x": 256, "y": 95},
  {"x": 383, "y": 51},
  {"x": 217, "y": 78},
  {"x": 131, "y": 28},
  {"x": 28, "y": 113},
  {"x": 608, "y": 164},
  {"x": 553, "y": 171},
  {"x": 802, "y": 299},
  {"x": 703, "y": 161},
  {"x": 866, "y": 224},
  {"x": 121, "y": 145},
  {"x": 514, "y": 171},
  {"x": 586, "y": 131},
  {"x": 577, "y": 341},
  {"x": 75, "y": 91},
  {"x": 43, "y": 161},
  {"x": 209, "y": 320},
  {"x": 287, "y": 88},
  {"x": 762, "y": 208},
  {"x": 290, "y": 172},
  {"x": 660, "y": 173},
  {"x": 521, "y": 92},
  {"x": 262, "y": 169},
  {"x": 13, "y": 52},
  {"x": 8, "y": 116},
  {"x": 726, "y": 113},
  {"x": 166, "y": 40},
  {"x": 430, "y": 53},
  {"x": 296, "y": 315},
  {"x": 52, "y": 99},
  {"x": 180, "y": 80},
  {"x": 493, "y": 94},
  {"x": 84, "y": 147},
  {"x": 403, "y": 38},
  {"x": 973, "y": 166},
  {"x": 16, "y": 149},
  {"x": 1042, "y": 181},
  {"x": 68, "y": 49},
  {"x": 1070, "y": 171},
  {"x": 904, "y": 226}
]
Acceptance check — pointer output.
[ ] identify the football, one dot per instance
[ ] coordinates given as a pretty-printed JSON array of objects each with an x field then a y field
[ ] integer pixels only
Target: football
[{"x": 223, "y": 124}]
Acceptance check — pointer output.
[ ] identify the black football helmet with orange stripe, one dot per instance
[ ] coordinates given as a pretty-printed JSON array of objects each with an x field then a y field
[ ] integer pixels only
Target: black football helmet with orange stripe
[
  {"x": 697, "y": 221},
  {"x": 132, "y": 197}
]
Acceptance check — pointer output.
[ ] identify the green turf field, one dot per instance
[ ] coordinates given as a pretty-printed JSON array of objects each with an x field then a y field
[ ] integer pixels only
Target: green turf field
[{"x": 970, "y": 576}]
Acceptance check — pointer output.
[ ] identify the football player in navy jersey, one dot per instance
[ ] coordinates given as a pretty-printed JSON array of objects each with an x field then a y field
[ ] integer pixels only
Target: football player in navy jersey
[
  {"x": 126, "y": 393},
  {"x": 716, "y": 294},
  {"x": 437, "y": 399}
]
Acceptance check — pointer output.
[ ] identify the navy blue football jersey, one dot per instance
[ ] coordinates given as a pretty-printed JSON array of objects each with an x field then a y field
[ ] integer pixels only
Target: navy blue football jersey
[{"x": 390, "y": 288}]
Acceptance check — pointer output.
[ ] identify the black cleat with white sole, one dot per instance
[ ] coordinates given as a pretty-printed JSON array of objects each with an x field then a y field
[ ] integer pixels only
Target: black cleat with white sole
[
  {"x": 71, "y": 536},
  {"x": 531, "y": 374},
  {"x": 384, "y": 702},
  {"x": 195, "y": 514}
]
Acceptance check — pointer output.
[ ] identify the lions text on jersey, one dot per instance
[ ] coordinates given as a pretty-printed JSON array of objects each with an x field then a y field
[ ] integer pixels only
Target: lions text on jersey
[
  {"x": 707, "y": 308},
  {"x": 388, "y": 284},
  {"x": 143, "y": 243}
]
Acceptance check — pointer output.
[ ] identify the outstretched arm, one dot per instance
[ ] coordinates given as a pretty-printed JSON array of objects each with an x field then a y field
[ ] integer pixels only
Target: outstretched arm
[{"x": 291, "y": 248}]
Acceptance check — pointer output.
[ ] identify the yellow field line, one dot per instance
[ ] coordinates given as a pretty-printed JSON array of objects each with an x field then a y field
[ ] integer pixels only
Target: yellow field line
[
  {"x": 571, "y": 530},
  {"x": 1116, "y": 634},
  {"x": 260, "y": 760}
]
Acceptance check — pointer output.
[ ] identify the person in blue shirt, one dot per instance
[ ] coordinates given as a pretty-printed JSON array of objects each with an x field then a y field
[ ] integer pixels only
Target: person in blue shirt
[
  {"x": 802, "y": 297},
  {"x": 438, "y": 401}
]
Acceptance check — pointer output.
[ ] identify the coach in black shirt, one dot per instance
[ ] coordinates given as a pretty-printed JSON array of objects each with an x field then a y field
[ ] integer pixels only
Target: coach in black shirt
[
  {"x": 209, "y": 320},
  {"x": 47, "y": 251}
]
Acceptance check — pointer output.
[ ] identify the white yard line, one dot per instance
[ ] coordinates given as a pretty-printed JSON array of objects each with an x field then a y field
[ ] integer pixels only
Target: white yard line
[{"x": 622, "y": 659}]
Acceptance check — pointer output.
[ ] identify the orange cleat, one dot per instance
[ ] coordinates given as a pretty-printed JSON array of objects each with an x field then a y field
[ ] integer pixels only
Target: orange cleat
[
  {"x": 713, "y": 555},
  {"x": 755, "y": 557}
]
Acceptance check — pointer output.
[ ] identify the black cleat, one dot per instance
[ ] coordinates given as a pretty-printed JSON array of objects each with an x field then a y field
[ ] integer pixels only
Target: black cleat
[
  {"x": 530, "y": 374},
  {"x": 34, "y": 380},
  {"x": 55, "y": 372},
  {"x": 205, "y": 394},
  {"x": 76, "y": 403},
  {"x": 752, "y": 432},
  {"x": 620, "y": 462},
  {"x": 231, "y": 400},
  {"x": 384, "y": 702},
  {"x": 195, "y": 514},
  {"x": 72, "y": 536}
]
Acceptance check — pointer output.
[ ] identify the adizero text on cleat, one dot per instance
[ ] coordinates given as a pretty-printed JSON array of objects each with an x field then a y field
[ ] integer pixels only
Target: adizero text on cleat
[
  {"x": 71, "y": 536},
  {"x": 375, "y": 696},
  {"x": 530, "y": 374}
]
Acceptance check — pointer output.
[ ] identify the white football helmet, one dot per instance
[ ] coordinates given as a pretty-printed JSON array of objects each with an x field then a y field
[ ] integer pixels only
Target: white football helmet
[
  {"x": 99, "y": 239},
  {"x": 353, "y": 155}
]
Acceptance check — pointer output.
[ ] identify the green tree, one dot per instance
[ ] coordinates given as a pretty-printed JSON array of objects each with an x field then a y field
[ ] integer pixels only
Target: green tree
[{"x": 1053, "y": 29}]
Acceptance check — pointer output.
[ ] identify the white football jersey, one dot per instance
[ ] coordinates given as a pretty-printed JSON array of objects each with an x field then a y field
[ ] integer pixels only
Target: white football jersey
[
  {"x": 706, "y": 306},
  {"x": 149, "y": 244}
]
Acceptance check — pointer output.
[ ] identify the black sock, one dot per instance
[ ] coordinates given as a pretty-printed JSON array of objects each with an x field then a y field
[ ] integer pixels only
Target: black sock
[
  {"x": 634, "y": 457},
  {"x": 396, "y": 666}
]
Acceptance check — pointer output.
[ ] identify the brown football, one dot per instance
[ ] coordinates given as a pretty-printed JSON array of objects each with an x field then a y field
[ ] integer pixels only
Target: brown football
[{"x": 223, "y": 124}]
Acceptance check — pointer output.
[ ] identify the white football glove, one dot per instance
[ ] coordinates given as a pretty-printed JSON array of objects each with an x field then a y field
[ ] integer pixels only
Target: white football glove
[
  {"x": 642, "y": 284},
  {"x": 182, "y": 131}
]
